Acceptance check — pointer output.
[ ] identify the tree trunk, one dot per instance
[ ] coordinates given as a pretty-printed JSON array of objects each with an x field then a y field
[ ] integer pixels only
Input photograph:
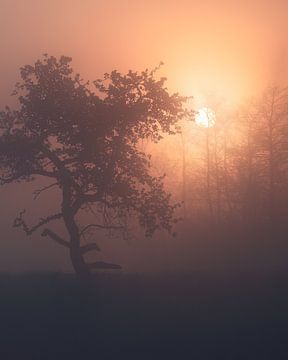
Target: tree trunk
[
  {"x": 78, "y": 262},
  {"x": 184, "y": 175},
  {"x": 76, "y": 255}
]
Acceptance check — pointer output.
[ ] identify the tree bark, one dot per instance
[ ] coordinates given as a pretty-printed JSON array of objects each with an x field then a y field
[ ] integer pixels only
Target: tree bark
[
  {"x": 76, "y": 254},
  {"x": 78, "y": 262}
]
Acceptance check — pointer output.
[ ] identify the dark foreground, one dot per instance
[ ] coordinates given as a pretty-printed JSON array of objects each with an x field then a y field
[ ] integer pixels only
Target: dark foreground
[{"x": 193, "y": 316}]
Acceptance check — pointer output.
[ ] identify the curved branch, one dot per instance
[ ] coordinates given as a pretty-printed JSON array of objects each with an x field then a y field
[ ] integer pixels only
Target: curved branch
[
  {"x": 19, "y": 222},
  {"x": 45, "y": 173},
  {"x": 7, "y": 180},
  {"x": 39, "y": 191},
  {"x": 105, "y": 227},
  {"x": 15, "y": 177},
  {"x": 58, "y": 163},
  {"x": 55, "y": 237},
  {"x": 89, "y": 247}
]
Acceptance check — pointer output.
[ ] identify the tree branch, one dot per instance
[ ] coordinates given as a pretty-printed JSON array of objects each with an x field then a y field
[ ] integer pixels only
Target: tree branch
[
  {"x": 70, "y": 160},
  {"x": 8, "y": 180},
  {"x": 93, "y": 197},
  {"x": 55, "y": 237},
  {"x": 58, "y": 163},
  {"x": 88, "y": 198},
  {"x": 45, "y": 173},
  {"x": 36, "y": 193},
  {"x": 89, "y": 247},
  {"x": 4, "y": 180},
  {"x": 19, "y": 222},
  {"x": 105, "y": 227},
  {"x": 15, "y": 177}
]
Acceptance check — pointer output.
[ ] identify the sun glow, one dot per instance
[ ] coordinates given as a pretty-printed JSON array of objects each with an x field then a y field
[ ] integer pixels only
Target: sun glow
[{"x": 205, "y": 117}]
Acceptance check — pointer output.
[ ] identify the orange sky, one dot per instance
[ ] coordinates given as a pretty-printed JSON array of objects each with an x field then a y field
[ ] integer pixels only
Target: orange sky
[{"x": 231, "y": 47}]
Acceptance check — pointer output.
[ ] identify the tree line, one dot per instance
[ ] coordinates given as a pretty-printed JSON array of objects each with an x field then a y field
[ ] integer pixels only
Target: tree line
[{"x": 237, "y": 169}]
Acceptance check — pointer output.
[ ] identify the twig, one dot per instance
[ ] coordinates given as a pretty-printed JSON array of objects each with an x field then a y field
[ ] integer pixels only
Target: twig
[
  {"x": 19, "y": 222},
  {"x": 36, "y": 193},
  {"x": 55, "y": 237},
  {"x": 89, "y": 247},
  {"x": 105, "y": 227}
]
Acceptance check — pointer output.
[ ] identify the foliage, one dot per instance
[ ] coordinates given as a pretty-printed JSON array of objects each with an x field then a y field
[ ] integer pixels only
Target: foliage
[{"x": 87, "y": 141}]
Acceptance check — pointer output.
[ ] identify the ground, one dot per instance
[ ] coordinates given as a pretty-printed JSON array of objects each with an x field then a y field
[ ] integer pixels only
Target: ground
[{"x": 180, "y": 316}]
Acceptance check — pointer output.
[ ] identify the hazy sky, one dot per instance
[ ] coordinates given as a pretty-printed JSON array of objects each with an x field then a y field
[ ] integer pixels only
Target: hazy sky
[
  {"x": 234, "y": 48},
  {"x": 231, "y": 47}
]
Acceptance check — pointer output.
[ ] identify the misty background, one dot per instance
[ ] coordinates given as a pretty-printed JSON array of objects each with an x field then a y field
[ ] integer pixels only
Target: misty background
[{"x": 231, "y": 50}]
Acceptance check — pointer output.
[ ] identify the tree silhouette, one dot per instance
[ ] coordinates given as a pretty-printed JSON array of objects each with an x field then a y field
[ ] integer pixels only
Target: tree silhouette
[{"x": 86, "y": 142}]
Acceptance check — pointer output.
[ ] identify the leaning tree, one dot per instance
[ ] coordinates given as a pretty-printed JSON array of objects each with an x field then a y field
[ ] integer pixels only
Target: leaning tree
[{"x": 85, "y": 138}]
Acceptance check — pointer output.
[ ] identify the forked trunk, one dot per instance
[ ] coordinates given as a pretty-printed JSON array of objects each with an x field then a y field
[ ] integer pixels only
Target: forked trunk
[
  {"x": 76, "y": 255},
  {"x": 76, "y": 251}
]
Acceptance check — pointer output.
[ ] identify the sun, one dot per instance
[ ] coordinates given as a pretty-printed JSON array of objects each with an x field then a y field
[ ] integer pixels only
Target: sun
[{"x": 205, "y": 117}]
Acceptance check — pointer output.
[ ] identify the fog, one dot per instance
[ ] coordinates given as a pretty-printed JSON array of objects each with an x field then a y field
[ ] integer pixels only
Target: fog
[{"x": 226, "y": 48}]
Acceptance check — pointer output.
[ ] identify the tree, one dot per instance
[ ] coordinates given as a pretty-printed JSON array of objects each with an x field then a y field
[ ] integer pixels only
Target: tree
[
  {"x": 273, "y": 146},
  {"x": 265, "y": 129},
  {"x": 86, "y": 142}
]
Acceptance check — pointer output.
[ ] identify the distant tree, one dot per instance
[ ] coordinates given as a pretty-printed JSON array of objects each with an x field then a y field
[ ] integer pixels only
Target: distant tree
[
  {"x": 86, "y": 142},
  {"x": 272, "y": 146},
  {"x": 265, "y": 154}
]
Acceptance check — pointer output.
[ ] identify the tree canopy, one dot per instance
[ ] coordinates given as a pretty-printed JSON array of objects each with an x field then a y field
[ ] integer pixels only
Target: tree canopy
[{"x": 85, "y": 137}]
